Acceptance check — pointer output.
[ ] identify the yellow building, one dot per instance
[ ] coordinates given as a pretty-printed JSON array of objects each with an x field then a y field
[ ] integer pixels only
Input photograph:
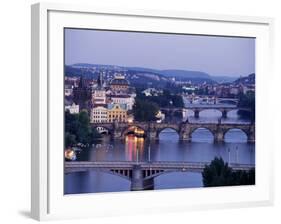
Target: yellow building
[{"x": 116, "y": 112}]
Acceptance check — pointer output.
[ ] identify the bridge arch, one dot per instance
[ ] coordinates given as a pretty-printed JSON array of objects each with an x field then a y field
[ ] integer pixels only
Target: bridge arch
[
  {"x": 229, "y": 134},
  {"x": 227, "y": 101},
  {"x": 103, "y": 130},
  {"x": 209, "y": 137},
  {"x": 137, "y": 129},
  {"x": 159, "y": 131},
  {"x": 232, "y": 112}
]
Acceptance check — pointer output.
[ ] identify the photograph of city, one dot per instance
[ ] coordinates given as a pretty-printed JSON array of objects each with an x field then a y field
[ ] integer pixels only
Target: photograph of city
[{"x": 152, "y": 111}]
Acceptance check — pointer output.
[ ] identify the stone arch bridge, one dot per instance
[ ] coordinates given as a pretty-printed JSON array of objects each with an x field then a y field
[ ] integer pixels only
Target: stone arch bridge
[
  {"x": 198, "y": 108},
  {"x": 184, "y": 129}
]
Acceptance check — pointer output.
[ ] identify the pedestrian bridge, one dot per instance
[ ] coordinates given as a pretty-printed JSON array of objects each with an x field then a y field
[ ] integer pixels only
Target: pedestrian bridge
[
  {"x": 184, "y": 129},
  {"x": 142, "y": 174}
]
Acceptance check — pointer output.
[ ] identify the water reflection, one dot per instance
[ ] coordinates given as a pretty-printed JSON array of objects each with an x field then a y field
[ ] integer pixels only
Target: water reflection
[
  {"x": 134, "y": 148},
  {"x": 235, "y": 135},
  {"x": 168, "y": 148},
  {"x": 235, "y": 149},
  {"x": 202, "y": 135}
]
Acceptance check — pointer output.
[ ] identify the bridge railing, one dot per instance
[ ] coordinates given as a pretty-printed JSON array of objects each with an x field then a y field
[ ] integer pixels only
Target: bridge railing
[{"x": 152, "y": 164}]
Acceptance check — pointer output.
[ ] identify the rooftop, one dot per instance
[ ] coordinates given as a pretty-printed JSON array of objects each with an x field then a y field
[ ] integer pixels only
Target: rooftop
[
  {"x": 119, "y": 80},
  {"x": 110, "y": 106}
]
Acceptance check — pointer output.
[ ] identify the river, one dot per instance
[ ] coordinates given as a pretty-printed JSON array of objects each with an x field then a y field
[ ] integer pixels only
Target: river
[{"x": 235, "y": 149}]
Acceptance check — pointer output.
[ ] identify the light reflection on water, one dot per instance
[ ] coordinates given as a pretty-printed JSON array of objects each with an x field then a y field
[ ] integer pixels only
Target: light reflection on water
[{"x": 168, "y": 148}]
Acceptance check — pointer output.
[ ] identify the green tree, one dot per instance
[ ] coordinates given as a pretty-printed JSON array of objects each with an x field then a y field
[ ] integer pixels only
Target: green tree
[
  {"x": 145, "y": 110},
  {"x": 78, "y": 129},
  {"x": 70, "y": 139},
  {"x": 218, "y": 173},
  {"x": 177, "y": 101},
  {"x": 247, "y": 101},
  {"x": 243, "y": 177},
  {"x": 164, "y": 100}
]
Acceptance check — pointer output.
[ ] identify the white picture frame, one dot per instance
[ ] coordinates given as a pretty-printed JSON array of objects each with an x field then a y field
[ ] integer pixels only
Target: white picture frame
[{"x": 48, "y": 201}]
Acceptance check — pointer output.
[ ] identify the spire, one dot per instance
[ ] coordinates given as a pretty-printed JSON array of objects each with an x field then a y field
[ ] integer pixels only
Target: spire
[
  {"x": 100, "y": 80},
  {"x": 81, "y": 84}
]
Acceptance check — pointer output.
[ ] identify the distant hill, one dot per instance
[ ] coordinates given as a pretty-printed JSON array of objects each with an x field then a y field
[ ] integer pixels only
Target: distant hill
[
  {"x": 178, "y": 75},
  {"x": 142, "y": 76},
  {"x": 246, "y": 80},
  {"x": 184, "y": 74},
  {"x": 223, "y": 79}
]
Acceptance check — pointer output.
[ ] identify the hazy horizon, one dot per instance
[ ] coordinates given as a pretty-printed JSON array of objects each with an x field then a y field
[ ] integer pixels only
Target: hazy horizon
[{"x": 214, "y": 55}]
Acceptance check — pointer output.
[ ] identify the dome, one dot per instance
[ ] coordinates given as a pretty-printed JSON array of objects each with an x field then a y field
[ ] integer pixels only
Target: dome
[{"x": 119, "y": 81}]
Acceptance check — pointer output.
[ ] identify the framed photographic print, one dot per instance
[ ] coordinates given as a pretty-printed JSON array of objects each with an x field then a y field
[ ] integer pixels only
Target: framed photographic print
[{"x": 148, "y": 111}]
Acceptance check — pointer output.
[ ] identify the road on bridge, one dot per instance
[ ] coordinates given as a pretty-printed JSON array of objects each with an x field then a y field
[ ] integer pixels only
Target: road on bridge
[{"x": 165, "y": 165}]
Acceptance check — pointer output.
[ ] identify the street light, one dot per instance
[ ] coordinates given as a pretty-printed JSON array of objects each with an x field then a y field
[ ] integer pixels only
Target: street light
[
  {"x": 137, "y": 155},
  {"x": 229, "y": 156},
  {"x": 149, "y": 153},
  {"x": 236, "y": 154}
]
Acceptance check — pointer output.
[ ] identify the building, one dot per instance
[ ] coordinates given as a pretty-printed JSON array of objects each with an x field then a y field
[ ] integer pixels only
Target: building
[
  {"x": 152, "y": 92},
  {"x": 234, "y": 91},
  {"x": 68, "y": 90},
  {"x": 98, "y": 114},
  {"x": 248, "y": 88},
  {"x": 71, "y": 107},
  {"x": 99, "y": 93},
  {"x": 99, "y": 97},
  {"x": 116, "y": 112},
  {"x": 119, "y": 84},
  {"x": 123, "y": 99},
  {"x": 72, "y": 80},
  {"x": 81, "y": 94}
]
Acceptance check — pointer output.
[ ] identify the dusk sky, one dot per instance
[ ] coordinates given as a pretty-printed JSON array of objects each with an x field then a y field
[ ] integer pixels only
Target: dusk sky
[{"x": 217, "y": 56}]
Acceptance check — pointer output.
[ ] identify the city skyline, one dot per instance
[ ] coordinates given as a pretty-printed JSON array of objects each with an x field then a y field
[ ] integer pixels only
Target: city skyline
[{"x": 217, "y": 56}]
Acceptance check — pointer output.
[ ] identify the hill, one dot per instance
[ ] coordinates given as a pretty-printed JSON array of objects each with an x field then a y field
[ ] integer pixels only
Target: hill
[
  {"x": 246, "y": 80},
  {"x": 143, "y": 76}
]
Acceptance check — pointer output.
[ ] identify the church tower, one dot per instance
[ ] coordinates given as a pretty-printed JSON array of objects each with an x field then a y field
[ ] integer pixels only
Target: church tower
[
  {"x": 99, "y": 94},
  {"x": 100, "y": 81}
]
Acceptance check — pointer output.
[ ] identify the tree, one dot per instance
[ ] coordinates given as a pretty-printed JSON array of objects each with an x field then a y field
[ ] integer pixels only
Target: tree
[
  {"x": 177, "y": 101},
  {"x": 243, "y": 177},
  {"x": 166, "y": 99},
  {"x": 70, "y": 139},
  {"x": 78, "y": 129},
  {"x": 218, "y": 173},
  {"x": 145, "y": 110},
  {"x": 247, "y": 101}
]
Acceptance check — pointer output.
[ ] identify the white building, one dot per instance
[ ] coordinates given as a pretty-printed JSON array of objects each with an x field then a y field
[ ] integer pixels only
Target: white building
[
  {"x": 152, "y": 92},
  {"x": 99, "y": 97},
  {"x": 234, "y": 90},
  {"x": 99, "y": 114},
  {"x": 247, "y": 89},
  {"x": 123, "y": 99},
  {"x": 189, "y": 88},
  {"x": 68, "y": 90},
  {"x": 72, "y": 108}
]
